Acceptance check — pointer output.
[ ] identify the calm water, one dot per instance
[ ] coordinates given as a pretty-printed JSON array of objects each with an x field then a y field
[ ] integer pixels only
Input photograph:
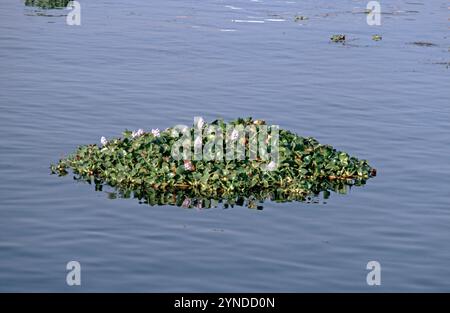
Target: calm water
[{"x": 151, "y": 64}]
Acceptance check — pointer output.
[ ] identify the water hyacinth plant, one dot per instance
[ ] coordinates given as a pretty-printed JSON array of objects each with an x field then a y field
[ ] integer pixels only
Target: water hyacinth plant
[
  {"x": 47, "y": 4},
  {"x": 142, "y": 164},
  {"x": 338, "y": 38}
]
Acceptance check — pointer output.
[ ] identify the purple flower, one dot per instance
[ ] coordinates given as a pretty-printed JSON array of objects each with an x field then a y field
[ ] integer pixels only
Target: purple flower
[
  {"x": 137, "y": 133},
  {"x": 186, "y": 203},
  {"x": 188, "y": 166},
  {"x": 155, "y": 132}
]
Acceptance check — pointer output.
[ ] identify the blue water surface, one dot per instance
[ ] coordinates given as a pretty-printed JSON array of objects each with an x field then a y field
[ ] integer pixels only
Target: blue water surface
[{"x": 153, "y": 64}]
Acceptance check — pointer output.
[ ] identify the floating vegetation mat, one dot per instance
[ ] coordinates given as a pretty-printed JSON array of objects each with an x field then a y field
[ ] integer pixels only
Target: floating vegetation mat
[
  {"x": 47, "y": 4},
  {"x": 142, "y": 164}
]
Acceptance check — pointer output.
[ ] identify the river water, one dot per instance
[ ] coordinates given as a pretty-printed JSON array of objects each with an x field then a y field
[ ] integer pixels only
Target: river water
[{"x": 147, "y": 64}]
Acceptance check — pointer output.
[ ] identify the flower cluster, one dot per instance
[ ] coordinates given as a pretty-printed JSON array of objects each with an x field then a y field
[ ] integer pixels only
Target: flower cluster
[
  {"x": 137, "y": 133},
  {"x": 156, "y": 132},
  {"x": 188, "y": 166}
]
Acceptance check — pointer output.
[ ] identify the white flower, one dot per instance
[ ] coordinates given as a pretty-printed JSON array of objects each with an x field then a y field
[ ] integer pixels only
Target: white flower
[
  {"x": 271, "y": 166},
  {"x": 155, "y": 132},
  {"x": 234, "y": 134},
  {"x": 103, "y": 141},
  {"x": 200, "y": 123},
  {"x": 137, "y": 133}
]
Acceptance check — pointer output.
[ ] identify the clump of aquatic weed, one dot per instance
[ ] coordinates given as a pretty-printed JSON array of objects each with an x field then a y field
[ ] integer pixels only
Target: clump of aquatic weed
[
  {"x": 299, "y": 18},
  {"x": 47, "y": 4},
  {"x": 376, "y": 37},
  {"x": 142, "y": 163},
  {"x": 338, "y": 38}
]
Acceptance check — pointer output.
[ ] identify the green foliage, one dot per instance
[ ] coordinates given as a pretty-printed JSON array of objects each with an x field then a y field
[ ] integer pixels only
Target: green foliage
[
  {"x": 143, "y": 166},
  {"x": 376, "y": 37},
  {"x": 338, "y": 38},
  {"x": 47, "y": 4}
]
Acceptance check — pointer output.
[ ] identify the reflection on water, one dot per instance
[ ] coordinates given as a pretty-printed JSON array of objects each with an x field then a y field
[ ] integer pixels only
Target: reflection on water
[{"x": 319, "y": 193}]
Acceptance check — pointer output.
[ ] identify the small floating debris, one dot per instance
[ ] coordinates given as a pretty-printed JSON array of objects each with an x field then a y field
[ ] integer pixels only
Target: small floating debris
[
  {"x": 338, "y": 38},
  {"x": 361, "y": 11},
  {"x": 447, "y": 64},
  {"x": 423, "y": 44},
  {"x": 376, "y": 37},
  {"x": 299, "y": 18},
  {"x": 144, "y": 165}
]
